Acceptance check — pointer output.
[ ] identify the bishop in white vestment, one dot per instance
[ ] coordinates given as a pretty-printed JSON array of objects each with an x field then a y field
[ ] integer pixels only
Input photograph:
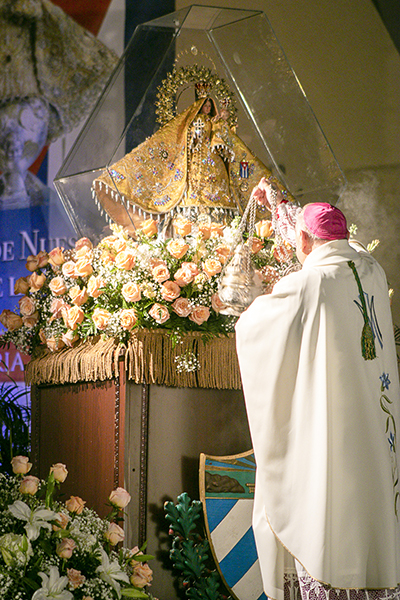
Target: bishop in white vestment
[{"x": 324, "y": 415}]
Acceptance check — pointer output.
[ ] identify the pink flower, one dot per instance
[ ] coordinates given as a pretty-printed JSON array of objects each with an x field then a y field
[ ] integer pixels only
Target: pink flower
[
  {"x": 211, "y": 267},
  {"x": 160, "y": 272},
  {"x": 216, "y": 303},
  {"x": 95, "y": 285},
  {"x": 114, "y": 534},
  {"x": 36, "y": 282},
  {"x": 75, "y": 316},
  {"x": 83, "y": 266},
  {"x": 29, "y": 485},
  {"x": 170, "y": 291},
  {"x": 177, "y": 248},
  {"x": 182, "y": 307},
  {"x": 199, "y": 314},
  {"x": 75, "y": 578},
  {"x": 65, "y": 548},
  {"x": 56, "y": 257},
  {"x": 128, "y": 318},
  {"x": 27, "y": 306},
  {"x": 75, "y": 505},
  {"x": 101, "y": 317},
  {"x": 159, "y": 313},
  {"x": 21, "y": 465},
  {"x": 125, "y": 259},
  {"x": 68, "y": 269},
  {"x": 120, "y": 498},
  {"x": 131, "y": 292},
  {"x": 78, "y": 296},
  {"x": 142, "y": 574},
  {"x": 10, "y": 320},
  {"x": 58, "y": 286},
  {"x": 183, "y": 276}
]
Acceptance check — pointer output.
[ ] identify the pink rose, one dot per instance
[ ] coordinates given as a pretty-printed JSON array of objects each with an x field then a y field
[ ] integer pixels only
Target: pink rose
[
  {"x": 95, "y": 285},
  {"x": 56, "y": 257},
  {"x": 125, "y": 259},
  {"x": 205, "y": 230},
  {"x": 70, "y": 338},
  {"x": 170, "y": 291},
  {"x": 177, "y": 248},
  {"x": 37, "y": 262},
  {"x": 256, "y": 245},
  {"x": 10, "y": 320},
  {"x": 78, "y": 296},
  {"x": 58, "y": 286},
  {"x": 83, "y": 242},
  {"x": 21, "y": 465},
  {"x": 216, "y": 303},
  {"x": 182, "y": 226},
  {"x": 75, "y": 579},
  {"x": 160, "y": 272},
  {"x": 65, "y": 548},
  {"x": 29, "y": 485},
  {"x": 62, "y": 521},
  {"x": 101, "y": 317},
  {"x": 31, "y": 320},
  {"x": 75, "y": 316},
  {"x": 199, "y": 314},
  {"x": 159, "y": 313},
  {"x": 68, "y": 269},
  {"x": 183, "y": 276},
  {"x": 119, "y": 245},
  {"x": 131, "y": 292},
  {"x": 149, "y": 227},
  {"x": 75, "y": 505},
  {"x": 120, "y": 498},
  {"x": 56, "y": 307},
  {"x": 21, "y": 286},
  {"x": 128, "y": 318},
  {"x": 211, "y": 267},
  {"x": 223, "y": 252},
  {"x": 27, "y": 306},
  {"x": 193, "y": 268},
  {"x": 59, "y": 471},
  {"x": 54, "y": 344},
  {"x": 182, "y": 307},
  {"x": 142, "y": 574},
  {"x": 217, "y": 229},
  {"x": 114, "y": 534},
  {"x": 83, "y": 266},
  {"x": 107, "y": 257},
  {"x": 264, "y": 228},
  {"x": 36, "y": 282}
]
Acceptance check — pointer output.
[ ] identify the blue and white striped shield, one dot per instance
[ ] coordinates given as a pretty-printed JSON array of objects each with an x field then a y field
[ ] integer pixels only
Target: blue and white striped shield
[{"x": 227, "y": 494}]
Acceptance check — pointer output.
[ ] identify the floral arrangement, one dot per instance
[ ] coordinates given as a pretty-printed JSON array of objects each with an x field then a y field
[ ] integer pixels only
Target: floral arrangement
[
  {"x": 63, "y": 551},
  {"x": 125, "y": 283}
]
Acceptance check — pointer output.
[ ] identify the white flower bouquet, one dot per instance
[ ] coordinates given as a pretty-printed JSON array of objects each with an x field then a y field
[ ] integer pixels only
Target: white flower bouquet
[
  {"x": 50, "y": 549},
  {"x": 125, "y": 283}
]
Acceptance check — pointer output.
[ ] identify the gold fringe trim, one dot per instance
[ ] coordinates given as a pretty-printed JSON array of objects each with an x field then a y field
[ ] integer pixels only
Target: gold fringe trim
[{"x": 149, "y": 358}]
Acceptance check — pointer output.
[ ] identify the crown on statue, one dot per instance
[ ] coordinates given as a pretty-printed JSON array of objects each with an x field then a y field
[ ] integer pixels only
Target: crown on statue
[{"x": 202, "y": 89}]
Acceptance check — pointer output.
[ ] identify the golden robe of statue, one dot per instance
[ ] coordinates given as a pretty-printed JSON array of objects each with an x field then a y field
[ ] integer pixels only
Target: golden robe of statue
[{"x": 195, "y": 160}]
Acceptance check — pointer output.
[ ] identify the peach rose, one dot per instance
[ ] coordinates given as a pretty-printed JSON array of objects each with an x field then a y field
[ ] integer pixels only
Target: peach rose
[
  {"x": 31, "y": 320},
  {"x": 70, "y": 338},
  {"x": 75, "y": 505},
  {"x": 114, "y": 534},
  {"x": 75, "y": 579},
  {"x": 101, "y": 317},
  {"x": 58, "y": 286},
  {"x": 217, "y": 229},
  {"x": 183, "y": 276},
  {"x": 107, "y": 257},
  {"x": 56, "y": 257},
  {"x": 264, "y": 228},
  {"x": 211, "y": 266},
  {"x": 119, "y": 498},
  {"x": 65, "y": 548},
  {"x": 83, "y": 266},
  {"x": 62, "y": 520},
  {"x": 193, "y": 268},
  {"x": 21, "y": 286},
  {"x": 54, "y": 344},
  {"x": 177, "y": 248},
  {"x": 199, "y": 314},
  {"x": 205, "y": 230},
  {"x": 159, "y": 313},
  {"x": 42, "y": 336},
  {"x": 56, "y": 307},
  {"x": 216, "y": 303},
  {"x": 142, "y": 574},
  {"x": 21, "y": 465},
  {"x": 125, "y": 259},
  {"x": 27, "y": 306},
  {"x": 283, "y": 253},
  {"x": 78, "y": 296},
  {"x": 223, "y": 252},
  {"x": 59, "y": 471},
  {"x": 37, "y": 262},
  {"x": 182, "y": 226},
  {"x": 160, "y": 272},
  {"x": 29, "y": 485},
  {"x": 131, "y": 292},
  {"x": 256, "y": 245},
  {"x": 75, "y": 316},
  {"x": 170, "y": 291},
  {"x": 68, "y": 269},
  {"x": 36, "y": 282},
  {"x": 119, "y": 245},
  {"x": 182, "y": 307},
  {"x": 83, "y": 242},
  {"x": 149, "y": 227},
  {"x": 128, "y": 318},
  {"x": 95, "y": 285},
  {"x": 10, "y": 320}
]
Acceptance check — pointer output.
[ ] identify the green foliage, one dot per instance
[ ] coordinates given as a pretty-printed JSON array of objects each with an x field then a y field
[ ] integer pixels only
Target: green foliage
[{"x": 190, "y": 553}]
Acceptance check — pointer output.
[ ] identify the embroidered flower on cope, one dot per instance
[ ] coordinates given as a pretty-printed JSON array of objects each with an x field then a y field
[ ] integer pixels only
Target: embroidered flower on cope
[
  {"x": 177, "y": 248},
  {"x": 159, "y": 313},
  {"x": 170, "y": 291},
  {"x": 199, "y": 314}
]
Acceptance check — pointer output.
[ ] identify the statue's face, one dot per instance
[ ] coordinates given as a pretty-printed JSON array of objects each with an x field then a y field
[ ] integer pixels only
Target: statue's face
[
  {"x": 206, "y": 108},
  {"x": 23, "y": 133}
]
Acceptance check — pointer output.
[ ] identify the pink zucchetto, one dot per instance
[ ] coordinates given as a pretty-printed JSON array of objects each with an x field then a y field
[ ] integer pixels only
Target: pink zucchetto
[{"x": 325, "y": 221}]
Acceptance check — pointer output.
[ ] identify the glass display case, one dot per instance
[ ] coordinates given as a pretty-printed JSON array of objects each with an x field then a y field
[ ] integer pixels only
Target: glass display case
[{"x": 229, "y": 55}]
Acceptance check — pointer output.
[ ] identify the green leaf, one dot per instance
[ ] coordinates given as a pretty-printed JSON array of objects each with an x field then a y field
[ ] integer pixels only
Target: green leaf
[{"x": 133, "y": 593}]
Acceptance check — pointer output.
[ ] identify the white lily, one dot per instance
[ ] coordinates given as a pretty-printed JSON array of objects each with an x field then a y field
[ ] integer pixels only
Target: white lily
[
  {"x": 53, "y": 587},
  {"x": 35, "y": 519},
  {"x": 111, "y": 572}
]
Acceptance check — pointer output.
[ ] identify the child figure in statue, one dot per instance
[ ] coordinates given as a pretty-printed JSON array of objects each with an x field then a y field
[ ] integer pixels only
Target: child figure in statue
[{"x": 194, "y": 164}]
